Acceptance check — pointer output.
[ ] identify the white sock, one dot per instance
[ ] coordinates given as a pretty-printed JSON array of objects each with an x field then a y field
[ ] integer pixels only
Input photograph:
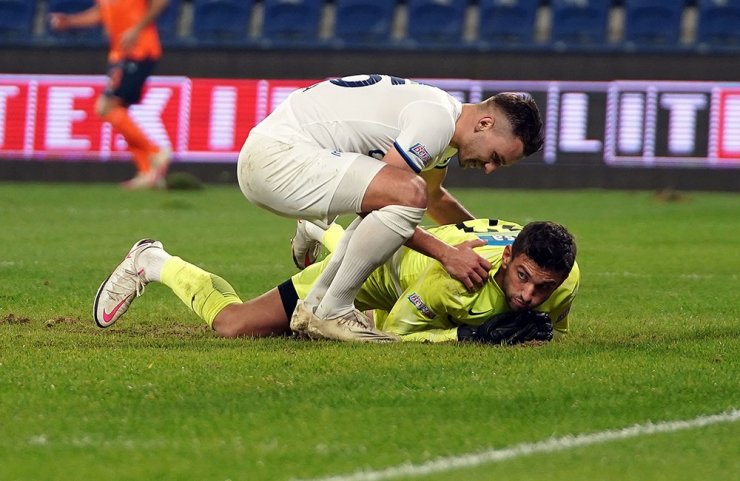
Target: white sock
[
  {"x": 322, "y": 283},
  {"x": 152, "y": 261},
  {"x": 375, "y": 240},
  {"x": 314, "y": 232}
]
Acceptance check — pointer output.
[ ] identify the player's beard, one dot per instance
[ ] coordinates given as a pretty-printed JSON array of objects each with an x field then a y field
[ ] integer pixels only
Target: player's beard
[
  {"x": 517, "y": 304},
  {"x": 471, "y": 163}
]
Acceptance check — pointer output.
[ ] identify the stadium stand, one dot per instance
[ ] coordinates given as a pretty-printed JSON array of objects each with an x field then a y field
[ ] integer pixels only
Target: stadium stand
[
  {"x": 579, "y": 24},
  {"x": 435, "y": 23},
  {"x": 168, "y": 22},
  {"x": 291, "y": 22},
  {"x": 701, "y": 26},
  {"x": 718, "y": 26},
  {"x": 16, "y": 20},
  {"x": 503, "y": 23},
  {"x": 652, "y": 23},
  {"x": 363, "y": 23},
  {"x": 82, "y": 36},
  {"x": 221, "y": 22}
]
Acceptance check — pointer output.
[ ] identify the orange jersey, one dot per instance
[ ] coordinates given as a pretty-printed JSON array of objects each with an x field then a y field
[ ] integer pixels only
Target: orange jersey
[{"x": 117, "y": 17}]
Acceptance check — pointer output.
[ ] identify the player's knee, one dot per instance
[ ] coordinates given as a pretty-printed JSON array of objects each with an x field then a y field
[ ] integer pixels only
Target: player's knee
[
  {"x": 227, "y": 324},
  {"x": 104, "y": 105},
  {"x": 415, "y": 195},
  {"x": 400, "y": 219}
]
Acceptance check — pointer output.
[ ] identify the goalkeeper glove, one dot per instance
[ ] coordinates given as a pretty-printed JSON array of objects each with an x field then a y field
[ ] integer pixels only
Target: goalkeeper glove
[{"x": 509, "y": 328}]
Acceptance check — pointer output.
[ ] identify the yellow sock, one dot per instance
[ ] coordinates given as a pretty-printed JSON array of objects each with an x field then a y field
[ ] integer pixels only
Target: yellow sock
[
  {"x": 331, "y": 237},
  {"x": 204, "y": 293}
]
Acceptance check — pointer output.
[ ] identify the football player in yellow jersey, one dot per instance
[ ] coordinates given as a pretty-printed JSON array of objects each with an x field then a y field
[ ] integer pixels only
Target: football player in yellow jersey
[{"x": 412, "y": 296}]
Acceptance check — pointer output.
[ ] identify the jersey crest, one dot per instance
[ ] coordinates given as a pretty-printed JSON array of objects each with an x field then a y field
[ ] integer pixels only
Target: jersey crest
[
  {"x": 420, "y": 306},
  {"x": 421, "y": 152}
]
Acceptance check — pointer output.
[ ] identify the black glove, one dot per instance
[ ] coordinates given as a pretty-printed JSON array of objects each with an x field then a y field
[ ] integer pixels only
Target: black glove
[{"x": 509, "y": 328}]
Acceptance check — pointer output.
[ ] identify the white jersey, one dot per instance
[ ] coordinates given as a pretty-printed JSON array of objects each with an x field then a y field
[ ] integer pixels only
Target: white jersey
[{"x": 369, "y": 115}]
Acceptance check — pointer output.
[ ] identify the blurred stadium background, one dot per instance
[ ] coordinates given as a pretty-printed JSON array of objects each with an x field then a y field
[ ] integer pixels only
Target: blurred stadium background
[{"x": 637, "y": 94}]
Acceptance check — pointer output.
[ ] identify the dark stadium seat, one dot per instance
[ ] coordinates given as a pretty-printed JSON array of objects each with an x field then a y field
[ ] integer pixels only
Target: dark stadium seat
[
  {"x": 221, "y": 22},
  {"x": 167, "y": 22},
  {"x": 16, "y": 20},
  {"x": 364, "y": 22},
  {"x": 579, "y": 23},
  {"x": 81, "y": 36},
  {"x": 718, "y": 25},
  {"x": 507, "y": 22},
  {"x": 69, "y": 6},
  {"x": 291, "y": 21},
  {"x": 652, "y": 23},
  {"x": 436, "y": 23}
]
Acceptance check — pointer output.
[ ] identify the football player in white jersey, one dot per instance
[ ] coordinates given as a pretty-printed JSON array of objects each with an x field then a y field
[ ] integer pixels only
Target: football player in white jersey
[{"x": 378, "y": 146}]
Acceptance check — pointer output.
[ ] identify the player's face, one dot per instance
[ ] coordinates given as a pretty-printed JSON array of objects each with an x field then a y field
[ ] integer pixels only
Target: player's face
[
  {"x": 525, "y": 284},
  {"x": 490, "y": 147}
]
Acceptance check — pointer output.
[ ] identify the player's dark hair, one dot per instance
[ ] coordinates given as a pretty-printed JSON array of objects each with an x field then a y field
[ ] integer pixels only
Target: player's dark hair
[
  {"x": 548, "y": 244},
  {"x": 526, "y": 122}
]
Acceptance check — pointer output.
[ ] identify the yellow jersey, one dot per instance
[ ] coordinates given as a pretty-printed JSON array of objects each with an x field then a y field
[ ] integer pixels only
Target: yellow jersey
[{"x": 413, "y": 296}]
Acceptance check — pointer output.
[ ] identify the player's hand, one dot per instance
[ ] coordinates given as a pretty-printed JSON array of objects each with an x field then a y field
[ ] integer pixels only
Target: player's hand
[
  {"x": 59, "y": 21},
  {"x": 466, "y": 265},
  {"x": 509, "y": 328},
  {"x": 129, "y": 38}
]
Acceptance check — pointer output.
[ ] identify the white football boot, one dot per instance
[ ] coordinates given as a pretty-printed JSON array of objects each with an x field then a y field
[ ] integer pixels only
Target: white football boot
[
  {"x": 354, "y": 326},
  {"x": 141, "y": 181},
  {"x": 125, "y": 284},
  {"x": 156, "y": 177},
  {"x": 304, "y": 248},
  {"x": 299, "y": 320},
  {"x": 160, "y": 163}
]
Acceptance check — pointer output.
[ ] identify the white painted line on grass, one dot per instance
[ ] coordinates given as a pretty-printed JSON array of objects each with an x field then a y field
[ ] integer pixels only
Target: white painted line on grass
[{"x": 525, "y": 449}]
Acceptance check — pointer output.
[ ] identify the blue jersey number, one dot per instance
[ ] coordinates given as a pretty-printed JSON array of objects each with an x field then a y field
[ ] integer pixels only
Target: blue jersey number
[
  {"x": 365, "y": 82},
  {"x": 491, "y": 231},
  {"x": 356, "y": 81}
]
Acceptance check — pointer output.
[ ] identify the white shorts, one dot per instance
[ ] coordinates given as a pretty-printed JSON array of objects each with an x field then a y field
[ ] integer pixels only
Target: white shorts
[{"x": 303, "y": 180}]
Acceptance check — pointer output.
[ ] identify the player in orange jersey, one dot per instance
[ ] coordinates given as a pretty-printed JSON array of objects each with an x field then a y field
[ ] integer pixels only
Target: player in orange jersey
[{"x": 134, "y": 51}]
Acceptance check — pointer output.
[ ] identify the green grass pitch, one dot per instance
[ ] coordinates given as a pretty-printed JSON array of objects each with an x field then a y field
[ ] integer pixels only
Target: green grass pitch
[{"x": 655, "y": 338}]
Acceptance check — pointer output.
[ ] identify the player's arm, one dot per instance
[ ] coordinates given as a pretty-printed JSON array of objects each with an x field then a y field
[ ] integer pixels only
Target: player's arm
[
  {"x": 559, "y": 316},
  {"x": 431, "y": 335},
  {"x": 85, "y": 19},
  {"x": 442, "y": 207},
  {"x": 560, "y": 302},
  {"x": 460, "y": 261},
  {"x": 419, "y": 314},
  {"x": 380, "y": 317},
  {"x": 561, "y": 326}
]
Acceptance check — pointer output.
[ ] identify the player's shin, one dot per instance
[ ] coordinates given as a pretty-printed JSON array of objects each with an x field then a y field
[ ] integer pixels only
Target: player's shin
[
  {"x": 322, "y": 283},
  {"x": 204, "y": 293},
  {"x": 376, "y": 238}
]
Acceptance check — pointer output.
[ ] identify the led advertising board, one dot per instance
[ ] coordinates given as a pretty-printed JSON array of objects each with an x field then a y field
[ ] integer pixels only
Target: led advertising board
[{"x": 618, "y": 123}]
